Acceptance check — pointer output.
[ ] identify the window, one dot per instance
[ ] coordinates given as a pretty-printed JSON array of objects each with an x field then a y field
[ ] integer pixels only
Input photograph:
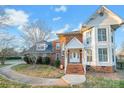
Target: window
[
  {"x": 57, "y": 45},
  {"x": 74, "y": 54},
  {"x": 88, "y": 37},
  {"x": 63, "y": 53},
  {"x": 113, "y": 55},
  {"x": 102, "y": 34},
  {"x": 57, "y": 56},
  {"x": 89, "y": 55},
  {"x": 103, "y": 55},
  {"x": 112, "y": 38},
  {"x": 63, "y": 50},
  {"x": 41, "y": 47}
]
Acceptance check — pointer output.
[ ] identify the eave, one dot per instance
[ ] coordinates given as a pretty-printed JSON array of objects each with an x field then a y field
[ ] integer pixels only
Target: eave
[
  {"x": 86, "y": 28},
  {"x": 69, "y": 33}
]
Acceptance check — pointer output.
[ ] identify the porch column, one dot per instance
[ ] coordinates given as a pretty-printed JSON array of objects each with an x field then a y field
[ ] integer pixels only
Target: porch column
[
  {"x": 68, "y": 56},
  {"x": 80, "y": 56}
]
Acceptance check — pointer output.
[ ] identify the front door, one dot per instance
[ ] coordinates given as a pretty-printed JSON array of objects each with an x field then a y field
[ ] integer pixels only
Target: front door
[{"x": 74, "y": 56}]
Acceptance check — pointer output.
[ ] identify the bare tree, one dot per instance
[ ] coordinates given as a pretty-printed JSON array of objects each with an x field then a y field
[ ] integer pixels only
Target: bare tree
[
  {"x": 34, "y": 32},
  {"x": 5, "y": 43},
  {"x": 4, "y": 18}
]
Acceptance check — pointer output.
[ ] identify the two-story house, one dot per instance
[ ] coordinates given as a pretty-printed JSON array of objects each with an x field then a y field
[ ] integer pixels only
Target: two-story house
[{"x": 93, "y": 45}]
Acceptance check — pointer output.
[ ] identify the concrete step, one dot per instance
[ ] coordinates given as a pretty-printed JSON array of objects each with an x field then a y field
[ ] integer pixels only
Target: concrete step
[{"x": 73, "y": 79}]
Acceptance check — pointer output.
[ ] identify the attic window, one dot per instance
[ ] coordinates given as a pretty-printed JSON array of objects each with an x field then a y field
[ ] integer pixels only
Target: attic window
[{"x": 101, "y": 13}]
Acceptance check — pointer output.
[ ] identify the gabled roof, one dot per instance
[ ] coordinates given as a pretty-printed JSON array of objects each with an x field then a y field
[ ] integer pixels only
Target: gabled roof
[
  {"x": 99, "y": 14},
  {"x": 74, "y": 43}
]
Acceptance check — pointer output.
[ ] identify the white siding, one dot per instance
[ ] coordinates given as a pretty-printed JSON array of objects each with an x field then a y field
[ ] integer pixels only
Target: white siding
[{"x": 102, "y": 44}]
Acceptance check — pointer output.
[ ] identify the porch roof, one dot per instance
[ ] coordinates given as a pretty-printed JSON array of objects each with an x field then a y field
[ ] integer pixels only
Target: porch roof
[{"x": 74, "y": 44}]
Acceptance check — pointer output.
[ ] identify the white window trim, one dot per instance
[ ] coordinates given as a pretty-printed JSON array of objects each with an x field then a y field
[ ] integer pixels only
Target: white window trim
[
  {"x": 57, "y": 44},
  {"x": 107, "y": 55},
  {"x": 89, "y": 36},
  {"x": 106, "y": 34},
  {"x": 90, "y": 55}
]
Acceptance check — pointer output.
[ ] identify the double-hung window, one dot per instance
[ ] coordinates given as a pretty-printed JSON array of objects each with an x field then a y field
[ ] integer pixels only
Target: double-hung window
[
  {"x": 89, "y": 55},
  {"x": 113, "y": 55},
  {"x": 88, "y": 38},
  {"x": 102, "y": 34},
  {"x": 103, "y": 54},
  {"x": 57, "y": 45}
]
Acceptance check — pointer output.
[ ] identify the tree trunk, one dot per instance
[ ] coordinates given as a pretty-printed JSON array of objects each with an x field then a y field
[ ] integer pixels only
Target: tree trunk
[{"x": 3, "y": 61}]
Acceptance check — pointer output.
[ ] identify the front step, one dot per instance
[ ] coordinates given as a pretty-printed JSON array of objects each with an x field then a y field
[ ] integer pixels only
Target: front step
[{"x": 75, "y": 69}]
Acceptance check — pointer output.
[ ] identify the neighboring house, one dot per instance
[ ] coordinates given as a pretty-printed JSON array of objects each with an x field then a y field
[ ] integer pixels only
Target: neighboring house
[
  {"x": 42, "y": 49},
  {"x": 93, "y": 45},
  {"x": 46, "y": 49},
  {"x": 120, "y": 55},
  {"x": 120, "y": 59}
]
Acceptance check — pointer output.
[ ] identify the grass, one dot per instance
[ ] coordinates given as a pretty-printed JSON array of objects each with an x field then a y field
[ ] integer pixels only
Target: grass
[
  {"x": 4, "y": 65},
  {"x": 45, "y": 71},
  {"x": 5, "y": 83},
  {"x": 95, "y": 82},
  {"x": 92, "y": 82}
]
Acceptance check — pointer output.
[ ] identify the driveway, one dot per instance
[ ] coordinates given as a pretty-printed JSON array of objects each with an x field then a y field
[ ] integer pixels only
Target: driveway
[{"x": 34, "y": 81}]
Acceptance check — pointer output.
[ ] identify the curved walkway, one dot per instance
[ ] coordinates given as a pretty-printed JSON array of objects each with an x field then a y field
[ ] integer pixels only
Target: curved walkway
[{"x": 34, "y": 81}]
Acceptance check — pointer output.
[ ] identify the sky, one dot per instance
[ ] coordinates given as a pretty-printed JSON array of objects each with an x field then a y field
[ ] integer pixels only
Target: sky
[{"x": 59, "y": 18}]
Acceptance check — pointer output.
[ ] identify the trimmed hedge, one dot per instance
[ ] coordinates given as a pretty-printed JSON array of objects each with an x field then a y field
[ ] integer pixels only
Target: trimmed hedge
[{"x": 11, "y": 58}]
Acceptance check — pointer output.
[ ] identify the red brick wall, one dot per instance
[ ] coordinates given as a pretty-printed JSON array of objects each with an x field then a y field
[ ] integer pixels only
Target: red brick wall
[
  {"x": 108, "y": 69},
  {"x": 65, "y": 39},
  {"x": 75, "y": 69}
]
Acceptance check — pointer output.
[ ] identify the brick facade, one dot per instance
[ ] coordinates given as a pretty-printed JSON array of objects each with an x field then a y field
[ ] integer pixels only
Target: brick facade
[
  {"x": 75, "y": 69},
  {"x": 108, "y": 69}
]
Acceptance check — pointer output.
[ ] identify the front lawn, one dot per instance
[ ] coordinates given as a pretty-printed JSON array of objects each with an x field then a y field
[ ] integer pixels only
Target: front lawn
[
  {"x": 5, "y": 83},
  {"x": 4, "y": 65},
  {"x": 45, "y": 71},
  {"x": 92, "y": 82},
  {"x": 95, "y": 82}
]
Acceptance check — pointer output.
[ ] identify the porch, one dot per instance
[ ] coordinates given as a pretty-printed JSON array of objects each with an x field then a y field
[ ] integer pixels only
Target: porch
[{"x": 74, "y": 57}]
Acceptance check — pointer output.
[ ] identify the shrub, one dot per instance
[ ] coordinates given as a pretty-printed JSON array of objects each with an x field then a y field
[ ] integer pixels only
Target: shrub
[
  {"x": 57, "y": 63},
  {"x": 47, "y": 60},
  {"x": 39, "y": 60},
  {"x": 26, "y": 59}
]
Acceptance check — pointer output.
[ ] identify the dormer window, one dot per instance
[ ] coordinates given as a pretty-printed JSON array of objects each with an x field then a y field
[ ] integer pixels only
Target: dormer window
[
  {"x": 41, "y": 47},
  {"x": 101, "y": 13}
]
